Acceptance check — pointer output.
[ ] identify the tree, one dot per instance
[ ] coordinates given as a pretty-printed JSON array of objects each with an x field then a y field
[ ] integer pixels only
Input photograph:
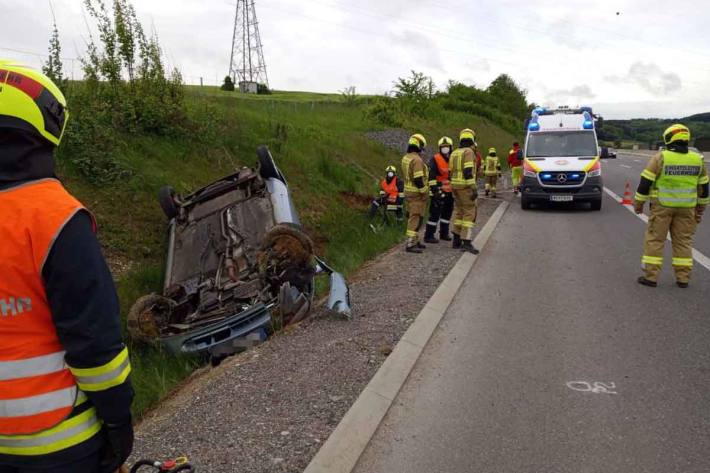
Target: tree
[
  {"x": 418, "y": 86},
  {"x": 228, "y": 84},
  {"x": 510, "y": 98},
  {"x": 53, "y": 67},
  {"x": 262, "y": 89}
]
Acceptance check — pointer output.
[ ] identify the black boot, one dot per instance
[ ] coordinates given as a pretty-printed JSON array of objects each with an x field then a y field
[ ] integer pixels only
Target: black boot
[
  {"x": 646, "y": 282},
  {"x": 429, "y": 234},
  {"x": 457, "y": 242},
  {"x": 413, "y": 249},
  {"x": 468, "y": 247},
  {"x": 444, "y": 232},
  {"x": 420, "y": 245}
]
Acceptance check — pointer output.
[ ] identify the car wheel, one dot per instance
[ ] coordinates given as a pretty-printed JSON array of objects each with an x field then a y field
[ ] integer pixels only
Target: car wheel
[
  {"x": 267, "y": 166},
  {"x": 166, "y": 199},
  {"x": 524, "y": 203},
  {"x": 148, "y": 316},
  {"x": 596, "y": 204}
]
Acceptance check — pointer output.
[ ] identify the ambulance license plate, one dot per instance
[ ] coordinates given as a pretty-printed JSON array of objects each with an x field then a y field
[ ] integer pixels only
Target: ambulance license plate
[{"x": 562, "y": 198}]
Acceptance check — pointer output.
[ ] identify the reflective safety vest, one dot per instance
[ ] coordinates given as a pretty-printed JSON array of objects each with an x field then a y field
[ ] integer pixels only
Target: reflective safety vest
[
  {"x": 462, "y": 158},
  {"x": 410, "y": 163},
  {"x": 442, "y": 174},
  {"x": 390, "y": 189},
  {"x": 491, "y": 166},
  {"x": 677, "y": 185},
  {"x": 38, "y": 391}
]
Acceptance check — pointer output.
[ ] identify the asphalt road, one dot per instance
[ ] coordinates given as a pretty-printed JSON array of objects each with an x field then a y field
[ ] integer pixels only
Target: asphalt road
[{"x": 552, "y": 359}]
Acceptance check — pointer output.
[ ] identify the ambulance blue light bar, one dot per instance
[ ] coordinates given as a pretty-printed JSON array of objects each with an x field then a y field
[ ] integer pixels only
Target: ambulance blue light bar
[
  {"x": 588, "y": 121},
  {"x": 534, "y": 126}
]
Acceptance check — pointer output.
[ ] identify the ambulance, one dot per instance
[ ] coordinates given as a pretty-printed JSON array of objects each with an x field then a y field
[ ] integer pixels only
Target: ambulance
[{"x": 561, "y": 158}]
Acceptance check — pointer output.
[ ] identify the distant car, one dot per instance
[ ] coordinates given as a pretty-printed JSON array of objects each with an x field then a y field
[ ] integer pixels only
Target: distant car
[
  {"x": 607, "y": 153},
  {"x": 237, "y": 255}
]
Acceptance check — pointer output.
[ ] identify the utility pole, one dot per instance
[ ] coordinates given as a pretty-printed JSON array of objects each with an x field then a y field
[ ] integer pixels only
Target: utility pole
[{"x": 247, "y": 66}]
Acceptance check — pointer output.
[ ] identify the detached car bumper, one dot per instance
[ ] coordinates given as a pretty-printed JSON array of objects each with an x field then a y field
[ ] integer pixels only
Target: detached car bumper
[{"x": 592, "y": 189}]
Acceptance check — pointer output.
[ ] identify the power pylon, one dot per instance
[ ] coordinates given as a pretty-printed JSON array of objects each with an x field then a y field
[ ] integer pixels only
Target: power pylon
[{"x": 247, "y": 65}]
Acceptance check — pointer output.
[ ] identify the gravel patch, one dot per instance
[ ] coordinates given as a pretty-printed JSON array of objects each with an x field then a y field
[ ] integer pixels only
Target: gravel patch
[
  {"x": 271, "y": 408},
  {"x": 397, "y": 139}
]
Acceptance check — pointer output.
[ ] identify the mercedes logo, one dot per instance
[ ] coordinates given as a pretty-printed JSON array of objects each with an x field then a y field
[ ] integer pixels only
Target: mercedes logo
[{"x": 562, "y": 178}]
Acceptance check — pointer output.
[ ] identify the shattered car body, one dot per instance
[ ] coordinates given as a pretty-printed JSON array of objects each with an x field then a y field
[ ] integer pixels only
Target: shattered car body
[{"x": 237, "y": 257}]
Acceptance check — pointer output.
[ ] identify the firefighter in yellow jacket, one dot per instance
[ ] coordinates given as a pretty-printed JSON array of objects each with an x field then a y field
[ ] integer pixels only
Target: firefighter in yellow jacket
[
  {"x": 491, "y": 169},
  {"x": 462, "y": 166},
  {"x": 676, "y": 183},
  {"x": 416, "y": 190}
]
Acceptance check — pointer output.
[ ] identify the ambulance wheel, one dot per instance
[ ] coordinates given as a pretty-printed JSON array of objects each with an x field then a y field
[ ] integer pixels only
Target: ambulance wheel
[
  {"x": 596, "y": 204},
  {"x": 524, "y": 202}
]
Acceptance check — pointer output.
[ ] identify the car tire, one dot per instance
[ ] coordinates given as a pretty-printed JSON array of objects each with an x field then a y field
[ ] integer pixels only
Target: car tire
[
  {"x": 148, "y": 315},
  {"x": 524, "y": 202},
  {"x": 166, "y": 199},
  {"x": 267, "y": 166},
  {"x": 596, "y": 204}
]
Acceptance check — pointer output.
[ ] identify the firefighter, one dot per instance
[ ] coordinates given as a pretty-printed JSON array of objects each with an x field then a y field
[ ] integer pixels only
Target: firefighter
[
  {"x": 65, "y": 389},
  {"x": 442, "y": 200},
  {"x": 416, "y": 190},
  {"x": 391, "y": 194},
  {"x": 492, "y": 171},
  {"x": 676, "y": 183},
  {"x": 462, "y": 165},
  {"x": 515, "y": 162}
]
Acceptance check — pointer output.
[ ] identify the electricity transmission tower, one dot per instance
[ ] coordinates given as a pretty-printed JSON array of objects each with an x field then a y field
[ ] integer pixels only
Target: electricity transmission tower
[{"x": 247, "y": 66}]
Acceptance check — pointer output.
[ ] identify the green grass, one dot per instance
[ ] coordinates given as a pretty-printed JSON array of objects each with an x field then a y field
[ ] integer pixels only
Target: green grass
[{"x": 317, "y": 140}]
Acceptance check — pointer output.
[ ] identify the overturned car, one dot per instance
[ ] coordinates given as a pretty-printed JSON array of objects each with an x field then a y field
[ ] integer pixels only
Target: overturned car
[{"x": 238, "y": 260}]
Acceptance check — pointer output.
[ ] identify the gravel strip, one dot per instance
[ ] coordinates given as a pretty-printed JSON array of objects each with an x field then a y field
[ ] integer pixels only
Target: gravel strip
[
  {"x": 271, "y": 408},
  {"x": 397, "y": 139}
]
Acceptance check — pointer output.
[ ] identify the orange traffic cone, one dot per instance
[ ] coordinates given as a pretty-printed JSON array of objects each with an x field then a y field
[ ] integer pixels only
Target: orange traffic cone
[{"x": 627, "y": 195}]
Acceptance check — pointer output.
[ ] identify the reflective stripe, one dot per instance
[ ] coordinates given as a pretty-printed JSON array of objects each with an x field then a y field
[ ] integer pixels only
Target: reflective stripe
[
  {"x": 411, "y": 233},
  {"x": 468, "y": 164},
  {"x": 683, "y": 200},
  {"x": 641, "y": 197},
  {"x": 704, "y": 180},
  {"x": 470, "y": 182},
  {"x": 704, "y": 201},
  {"x": 418, "y": 174},
  {"x": 433, "y": 224},
  {"x": 392, "y": 207},
  {"x": 444, "y": 221},
  {"x": 467, "y": 224},
  {"x": 33, "y": 405},
  {"x": 648, "y": 175},
  {"x": 409, "y": 188},
  {"x": 676, "y": 191},
  {"x": 433, "y": 182},
  {"x": 683, "y": 262},
  {"x": 458, "y": 223},
  {"x": 104, "y": 377},
  {"x": 70, "y": 432},
  {"x": 655, "y": 260},
  {"x": 37, "y": 366}
]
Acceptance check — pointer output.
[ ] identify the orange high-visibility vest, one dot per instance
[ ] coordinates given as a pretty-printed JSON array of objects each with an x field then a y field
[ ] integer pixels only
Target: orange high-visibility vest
[
  {"x": 442, "y": 176},
  {"x": 37, "y": 390},
  {"x": 390, "y": 189}
]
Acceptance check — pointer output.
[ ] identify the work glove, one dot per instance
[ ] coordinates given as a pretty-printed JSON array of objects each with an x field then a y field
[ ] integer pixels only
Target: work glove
[
  {"x": 638, "y": 206},
  {"x": 474, "y": 193},
  {"x": 119, "y": 444}
]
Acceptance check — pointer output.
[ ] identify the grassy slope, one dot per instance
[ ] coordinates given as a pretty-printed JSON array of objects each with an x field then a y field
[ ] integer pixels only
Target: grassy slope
[{"x": 317, "y": 141}]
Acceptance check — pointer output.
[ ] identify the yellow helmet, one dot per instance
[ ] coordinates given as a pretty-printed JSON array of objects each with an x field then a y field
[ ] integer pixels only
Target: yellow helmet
[
  {"x": 445, "y": 141},
  {"x": 418, "y": 140},
  {"x": 30, "y": 101},
  {"x": 675, "y": 133},
  {"x": 467, "y": 134},
  {"x": 391, "y": 169},
  {"x": 491, "y": 151}
]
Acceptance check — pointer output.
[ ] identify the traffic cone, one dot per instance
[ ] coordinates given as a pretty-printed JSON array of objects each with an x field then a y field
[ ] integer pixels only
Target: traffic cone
[{"x": 627, "y": 195}]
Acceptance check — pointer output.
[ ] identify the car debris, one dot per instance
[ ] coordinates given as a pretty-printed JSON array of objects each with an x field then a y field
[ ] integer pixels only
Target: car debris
[{"x": 238, "y": 263}]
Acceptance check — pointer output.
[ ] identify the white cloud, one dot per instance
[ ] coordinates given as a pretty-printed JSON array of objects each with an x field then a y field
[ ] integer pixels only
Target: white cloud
[{"x": 651, "y": 78}]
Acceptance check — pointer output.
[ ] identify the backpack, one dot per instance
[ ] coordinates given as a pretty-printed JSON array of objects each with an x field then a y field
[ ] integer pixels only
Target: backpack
[{"x": 519, "y": 155}]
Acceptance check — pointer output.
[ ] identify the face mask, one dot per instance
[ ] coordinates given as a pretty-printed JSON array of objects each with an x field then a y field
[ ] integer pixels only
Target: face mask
[
  {"x": 390, "y": 175},
  {"x": 445, "y": 150}
]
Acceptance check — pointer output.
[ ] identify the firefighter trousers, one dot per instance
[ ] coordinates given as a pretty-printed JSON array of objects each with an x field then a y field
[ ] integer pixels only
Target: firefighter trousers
[
  {"x": 440, "y": 211},
  {"x": 516, "y": 173},
  {"x": 492, "y": 183},
  {"x": 680, "y": 222},
  {"x": 464, "y": 216},
  {"x": 416, "y": 206}
]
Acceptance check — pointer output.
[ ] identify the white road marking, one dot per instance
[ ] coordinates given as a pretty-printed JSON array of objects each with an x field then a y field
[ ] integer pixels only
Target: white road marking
[
  {"x": 702, "y": 260},
  {"x": 596, "y": 387},
  {"x": 625, "y": 166}
]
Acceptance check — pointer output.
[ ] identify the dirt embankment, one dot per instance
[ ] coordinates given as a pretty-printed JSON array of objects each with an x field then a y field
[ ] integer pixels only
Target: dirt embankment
[{"x": 271, "y": 408}]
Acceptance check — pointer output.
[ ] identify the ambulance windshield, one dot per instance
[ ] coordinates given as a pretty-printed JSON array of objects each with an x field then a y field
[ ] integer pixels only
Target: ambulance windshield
[{"x": 561, "y": 144}]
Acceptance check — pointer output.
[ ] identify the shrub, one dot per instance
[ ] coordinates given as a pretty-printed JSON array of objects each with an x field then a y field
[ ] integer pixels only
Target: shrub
[
  {"x": 385, "y": 111},
  {"x": 228, "y": 84}
]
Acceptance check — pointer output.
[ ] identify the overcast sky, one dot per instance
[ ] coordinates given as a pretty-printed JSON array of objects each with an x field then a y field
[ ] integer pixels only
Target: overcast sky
[{"x": 650, "y": 60}]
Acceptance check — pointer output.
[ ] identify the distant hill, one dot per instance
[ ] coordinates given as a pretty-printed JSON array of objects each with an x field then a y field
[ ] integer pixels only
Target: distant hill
[{"x": 648, "y": 131}]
